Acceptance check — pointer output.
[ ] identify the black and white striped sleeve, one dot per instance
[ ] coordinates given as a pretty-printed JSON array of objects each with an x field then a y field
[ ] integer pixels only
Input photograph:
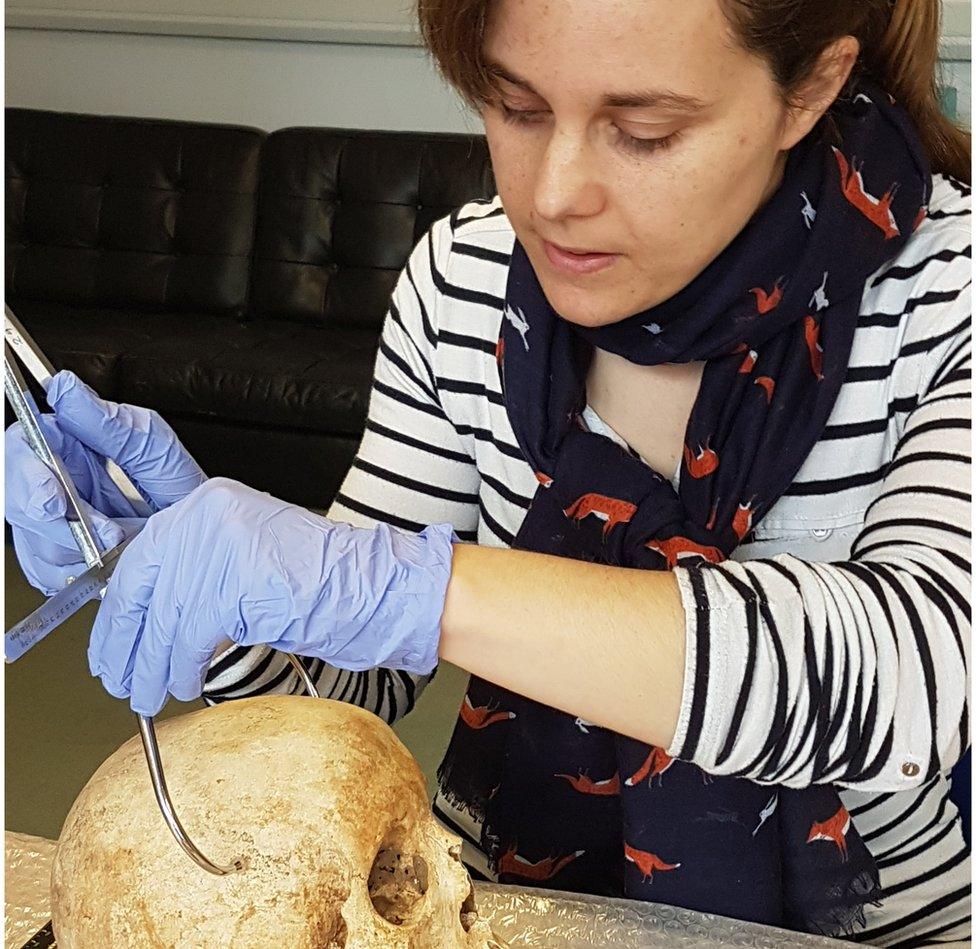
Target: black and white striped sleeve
[
  {"x": 852, "y": 672},
  {"x": 410, "y": 471}
]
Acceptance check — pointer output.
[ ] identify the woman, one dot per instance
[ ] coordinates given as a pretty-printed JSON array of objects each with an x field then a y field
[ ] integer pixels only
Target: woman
[{"x": 703, "y": 362}]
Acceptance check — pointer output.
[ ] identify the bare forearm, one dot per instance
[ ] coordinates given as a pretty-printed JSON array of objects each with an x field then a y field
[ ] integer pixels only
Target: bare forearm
[{"x": 604, "y": 643}]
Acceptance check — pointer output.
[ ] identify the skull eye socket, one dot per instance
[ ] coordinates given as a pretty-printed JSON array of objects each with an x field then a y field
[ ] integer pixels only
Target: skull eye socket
[{"x": 397, "y": 883}]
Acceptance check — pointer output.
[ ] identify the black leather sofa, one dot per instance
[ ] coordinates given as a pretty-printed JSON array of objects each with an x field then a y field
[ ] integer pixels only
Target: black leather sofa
[{"x": 233, "y": 279}]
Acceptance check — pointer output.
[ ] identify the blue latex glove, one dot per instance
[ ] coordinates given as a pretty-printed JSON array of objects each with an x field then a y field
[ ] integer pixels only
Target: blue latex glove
[
  {"x": 82, "y": 430},
  {"x": 229, "y": 562}
]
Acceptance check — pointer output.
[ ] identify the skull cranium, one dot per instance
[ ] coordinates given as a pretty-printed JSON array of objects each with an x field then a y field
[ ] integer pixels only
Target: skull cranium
[{"x": 327, "y": 809}]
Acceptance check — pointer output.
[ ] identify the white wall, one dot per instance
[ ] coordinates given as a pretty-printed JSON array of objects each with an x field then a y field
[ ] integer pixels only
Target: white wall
[
  {"x": 264, "y": 83},
  {"x": 270, "y": 84}
]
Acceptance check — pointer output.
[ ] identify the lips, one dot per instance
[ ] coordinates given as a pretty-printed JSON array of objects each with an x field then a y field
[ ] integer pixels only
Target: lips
[
  {"x": 577, "y": 262},
  {"x": 577, "y": 251}
]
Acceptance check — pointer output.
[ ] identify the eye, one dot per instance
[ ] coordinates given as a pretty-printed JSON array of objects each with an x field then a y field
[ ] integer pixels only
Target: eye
[
  {"x": 643, "y": 146},
  {"x": 520, "y": 116},
  {"x": 630, "y": 143}
]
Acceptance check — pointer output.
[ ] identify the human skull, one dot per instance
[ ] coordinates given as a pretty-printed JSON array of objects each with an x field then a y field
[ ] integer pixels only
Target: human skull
[{"x": 324, "y": 805}]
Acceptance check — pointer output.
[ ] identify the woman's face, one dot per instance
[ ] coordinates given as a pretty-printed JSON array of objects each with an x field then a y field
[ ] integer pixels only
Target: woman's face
[{"x": 634, "y": 128}]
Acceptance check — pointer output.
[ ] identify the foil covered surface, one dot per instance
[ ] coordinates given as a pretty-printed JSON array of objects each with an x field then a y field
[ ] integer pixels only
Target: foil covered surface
[
  {"x": 26, "y": 886},
  {"x": 517, "y": 915},
  {"x": 534, "y": 917}
]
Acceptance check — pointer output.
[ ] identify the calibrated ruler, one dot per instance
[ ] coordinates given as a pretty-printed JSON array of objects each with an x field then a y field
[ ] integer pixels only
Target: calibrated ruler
[{"x": 54, "y": 611}]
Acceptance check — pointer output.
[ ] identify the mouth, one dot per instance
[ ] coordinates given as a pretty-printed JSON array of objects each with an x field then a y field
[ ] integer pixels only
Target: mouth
[{"x": 577, "y": 261}]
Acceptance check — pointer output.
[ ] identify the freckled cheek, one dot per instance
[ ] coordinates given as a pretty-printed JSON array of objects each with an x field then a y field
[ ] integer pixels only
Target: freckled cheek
[
  {"x": 514, "y": 169},
  {"x": 674, "y": 233},
  {"x": 671, "y": 207},
  {"x": 700, "y": 199},
  {"x": 515, "y": 191}
]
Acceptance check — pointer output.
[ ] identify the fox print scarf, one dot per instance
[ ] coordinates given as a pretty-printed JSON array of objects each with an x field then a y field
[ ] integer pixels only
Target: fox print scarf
[{"x": 569, "y": 805}]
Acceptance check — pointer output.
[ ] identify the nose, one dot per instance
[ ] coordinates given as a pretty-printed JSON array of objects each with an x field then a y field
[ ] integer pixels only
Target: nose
[{"x": 567, "y": 184}]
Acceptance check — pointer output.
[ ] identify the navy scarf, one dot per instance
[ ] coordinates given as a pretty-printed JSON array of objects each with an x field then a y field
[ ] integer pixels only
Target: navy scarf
[{"x": 565, "y": 803}]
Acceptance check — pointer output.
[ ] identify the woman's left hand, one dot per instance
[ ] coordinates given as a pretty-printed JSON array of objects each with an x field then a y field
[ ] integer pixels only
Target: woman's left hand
[{"x": 229, "y": 562}]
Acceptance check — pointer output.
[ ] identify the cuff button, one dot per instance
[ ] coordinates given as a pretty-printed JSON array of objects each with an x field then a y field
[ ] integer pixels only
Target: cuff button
[{"x": 909, "y": 769}]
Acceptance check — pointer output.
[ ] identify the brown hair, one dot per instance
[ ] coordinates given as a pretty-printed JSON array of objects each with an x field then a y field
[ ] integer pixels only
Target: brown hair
[{"x": 899, "y": 49}]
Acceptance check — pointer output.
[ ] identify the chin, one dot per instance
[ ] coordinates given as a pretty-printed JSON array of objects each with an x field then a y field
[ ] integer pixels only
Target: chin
[{"x": 585, "y": 307}]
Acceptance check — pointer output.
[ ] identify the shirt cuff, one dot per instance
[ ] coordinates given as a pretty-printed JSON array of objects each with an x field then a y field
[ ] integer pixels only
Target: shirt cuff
[{"x": 707, "y": 675}]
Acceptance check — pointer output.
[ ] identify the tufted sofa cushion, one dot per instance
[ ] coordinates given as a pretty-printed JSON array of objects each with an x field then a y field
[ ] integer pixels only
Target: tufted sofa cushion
[
  {"x": 277, "y": 374},
  {"x": 234, "y": 280},
  {"x": 340, "y": 212},
  {"x": 142, "y": 213},
  {"x": 267, "y": 373}
]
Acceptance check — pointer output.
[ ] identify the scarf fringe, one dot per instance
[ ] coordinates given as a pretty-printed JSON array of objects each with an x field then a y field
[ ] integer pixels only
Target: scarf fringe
[
  {"x": 846, "y": 915},
  {"x": 474, "y": 808}
]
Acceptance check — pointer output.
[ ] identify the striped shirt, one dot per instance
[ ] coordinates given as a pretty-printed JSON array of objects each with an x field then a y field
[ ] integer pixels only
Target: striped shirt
[{"x": 832, "y": 647}]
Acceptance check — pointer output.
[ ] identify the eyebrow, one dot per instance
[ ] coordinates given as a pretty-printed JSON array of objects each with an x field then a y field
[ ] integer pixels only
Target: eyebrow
[{"x": 652, "y": 98}]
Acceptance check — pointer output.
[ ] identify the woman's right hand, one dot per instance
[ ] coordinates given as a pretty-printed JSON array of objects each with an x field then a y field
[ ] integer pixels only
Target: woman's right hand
[{"x": 84, "y": 430}]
